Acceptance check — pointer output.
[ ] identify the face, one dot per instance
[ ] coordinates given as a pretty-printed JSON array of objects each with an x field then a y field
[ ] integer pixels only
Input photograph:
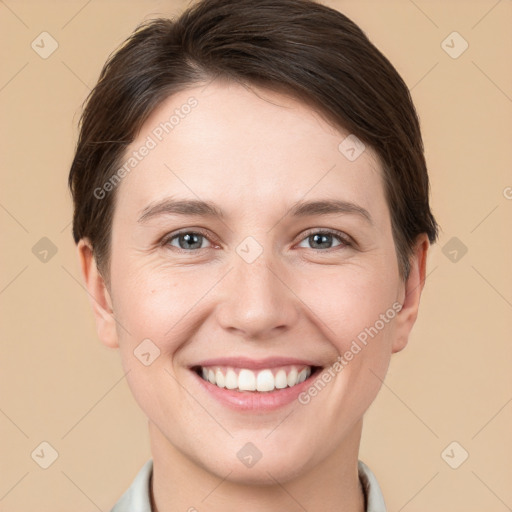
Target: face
[{"x": 261, "y": 287}]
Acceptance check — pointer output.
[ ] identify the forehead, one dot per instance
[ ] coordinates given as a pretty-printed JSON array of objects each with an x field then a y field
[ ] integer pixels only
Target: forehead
[{"x": 250, "y": 150}]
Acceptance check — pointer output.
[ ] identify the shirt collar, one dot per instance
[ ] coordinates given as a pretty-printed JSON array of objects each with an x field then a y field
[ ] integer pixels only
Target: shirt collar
[
  {"x": 373, "y": 495},
  {"x": 137, "y": 496}
]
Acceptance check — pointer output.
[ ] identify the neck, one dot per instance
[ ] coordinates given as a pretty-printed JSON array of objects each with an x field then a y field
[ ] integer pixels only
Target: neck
[{"x": 178, "y": 483}]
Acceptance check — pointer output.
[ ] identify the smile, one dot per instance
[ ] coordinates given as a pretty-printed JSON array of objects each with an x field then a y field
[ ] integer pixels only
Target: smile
[
  {"x": 264, "y": 380},
  {"x": 248, "y": 385}
]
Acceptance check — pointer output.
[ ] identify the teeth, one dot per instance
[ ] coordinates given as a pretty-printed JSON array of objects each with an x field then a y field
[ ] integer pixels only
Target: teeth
[
  {"x": 219, "y": 379},
  {"x": 262, "y": 381},
  {"x": 303, "y": 375},
  {"x": 246, "y": 380},
  {"x": 280, "y": 379},
  {"x": 231, "y": 379},
  {"x": 292, "y": 377},
  {"x": 265, "y": 381}
]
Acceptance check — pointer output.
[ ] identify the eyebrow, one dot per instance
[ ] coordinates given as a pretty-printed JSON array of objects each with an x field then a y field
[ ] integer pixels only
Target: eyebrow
[{"x": 197, "y": 208}]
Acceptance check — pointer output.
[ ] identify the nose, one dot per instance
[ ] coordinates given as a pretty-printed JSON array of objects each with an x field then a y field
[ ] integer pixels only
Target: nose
[{"x": 257, "y": 301}]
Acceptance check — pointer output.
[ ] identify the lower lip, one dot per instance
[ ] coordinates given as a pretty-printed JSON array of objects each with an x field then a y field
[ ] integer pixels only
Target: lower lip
[{"x": 254, "y": 400}]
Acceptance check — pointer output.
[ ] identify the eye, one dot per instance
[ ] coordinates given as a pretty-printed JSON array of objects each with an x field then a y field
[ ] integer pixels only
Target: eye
[
  {"x": 187, "y": 240},
  {"x": 323, "y": 239}
]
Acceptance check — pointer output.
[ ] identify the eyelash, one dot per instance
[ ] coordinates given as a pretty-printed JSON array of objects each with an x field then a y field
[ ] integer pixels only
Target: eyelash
[{"x": 345, "y": 240}]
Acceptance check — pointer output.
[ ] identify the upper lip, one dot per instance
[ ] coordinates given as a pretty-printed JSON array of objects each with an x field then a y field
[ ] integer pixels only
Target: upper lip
[{"x": 255, "y": 364}]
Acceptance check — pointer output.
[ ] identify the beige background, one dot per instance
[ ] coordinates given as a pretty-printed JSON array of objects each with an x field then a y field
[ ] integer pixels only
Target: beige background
[{"x": 452, "y": 383}]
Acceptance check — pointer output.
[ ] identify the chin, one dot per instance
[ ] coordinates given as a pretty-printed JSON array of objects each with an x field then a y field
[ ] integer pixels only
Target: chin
[{"x": 265, "y": 470}]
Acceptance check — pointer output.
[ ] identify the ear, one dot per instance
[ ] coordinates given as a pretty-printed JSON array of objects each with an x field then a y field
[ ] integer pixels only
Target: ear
[
  {"x": 411, "y": 293},
  {"x": 99, "y": 295}
]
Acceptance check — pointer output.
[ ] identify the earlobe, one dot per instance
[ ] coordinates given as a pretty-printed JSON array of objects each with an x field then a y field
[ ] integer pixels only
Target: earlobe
[
  {"x": 412, "y": 292},
  {"x": 98, "y": 293}
]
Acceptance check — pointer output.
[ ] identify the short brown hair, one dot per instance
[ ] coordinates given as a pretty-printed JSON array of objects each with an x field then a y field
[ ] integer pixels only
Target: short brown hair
[{"x": 310, "y": 51}]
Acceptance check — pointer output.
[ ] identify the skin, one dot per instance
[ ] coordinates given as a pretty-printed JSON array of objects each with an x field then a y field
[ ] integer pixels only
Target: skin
[{"x": 253, "y": 153}]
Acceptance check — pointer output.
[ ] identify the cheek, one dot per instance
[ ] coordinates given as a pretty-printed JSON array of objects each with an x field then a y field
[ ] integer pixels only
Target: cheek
[
  {"x": 153, "y": 329},
  {"x": 348, "y": 300},
  {"x": 153, "y": 302}
]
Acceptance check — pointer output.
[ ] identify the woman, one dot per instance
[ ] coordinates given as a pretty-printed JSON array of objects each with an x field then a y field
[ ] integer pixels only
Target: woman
[{"x": 252, "y": 223}]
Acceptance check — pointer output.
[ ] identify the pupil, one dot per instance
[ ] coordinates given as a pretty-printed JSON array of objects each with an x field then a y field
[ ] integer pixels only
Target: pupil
[
  {"x": 321, "y": 236},
  {"x": 189, "y": 239}
]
